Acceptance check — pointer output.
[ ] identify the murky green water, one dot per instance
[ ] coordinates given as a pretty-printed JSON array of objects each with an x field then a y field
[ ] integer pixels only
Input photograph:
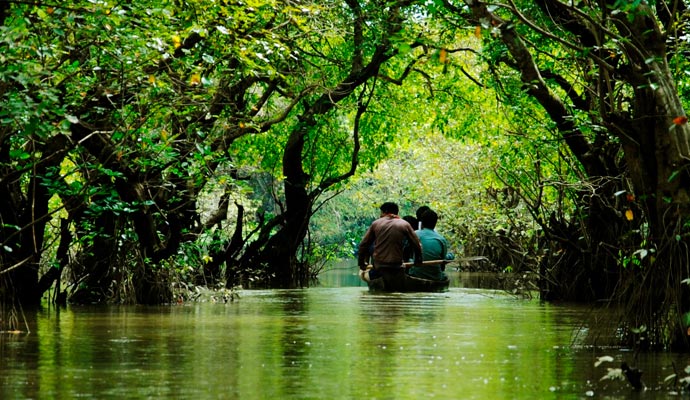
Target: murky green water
[{"x": 319, "y": 343}]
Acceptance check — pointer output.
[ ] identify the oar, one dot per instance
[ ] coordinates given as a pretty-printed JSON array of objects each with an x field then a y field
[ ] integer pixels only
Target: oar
[{"x": 408, "y": 265}]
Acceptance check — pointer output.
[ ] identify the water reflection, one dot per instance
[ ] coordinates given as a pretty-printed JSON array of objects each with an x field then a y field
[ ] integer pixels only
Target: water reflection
[{"x": 326, "y": 342}]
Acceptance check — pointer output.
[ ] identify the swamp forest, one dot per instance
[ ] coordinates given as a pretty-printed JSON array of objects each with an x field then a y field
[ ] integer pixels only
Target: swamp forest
[{"x": 151, "y": 146}]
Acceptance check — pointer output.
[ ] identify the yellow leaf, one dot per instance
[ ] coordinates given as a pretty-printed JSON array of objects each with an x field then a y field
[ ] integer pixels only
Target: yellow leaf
[
  {"x": 443, "y": 56},
  {"x": 164, "y": 134},
  {"x": 152, "y": 79},
  {"x": 177, "y": 41},
  {"x": 629, "y": 215},
  {"x": 478, "y": 32},
  {"x": 195, "y": 80}
]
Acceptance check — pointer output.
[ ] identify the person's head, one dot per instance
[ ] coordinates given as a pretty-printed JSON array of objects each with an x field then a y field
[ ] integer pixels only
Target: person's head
[
  {"x": 389, "y": 208},
  {"x": 421, "y": 210},
  {"x": 412, "y": 221},
  {"x": 429, "y": 219}
]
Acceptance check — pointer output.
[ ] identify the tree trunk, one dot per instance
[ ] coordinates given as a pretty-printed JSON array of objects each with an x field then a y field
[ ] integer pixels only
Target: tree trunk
[{"x": 19, "y": 274}]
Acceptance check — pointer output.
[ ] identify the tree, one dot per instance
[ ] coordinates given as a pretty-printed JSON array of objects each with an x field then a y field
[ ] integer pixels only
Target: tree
[
  {"x": 604, "y": 74},
  {"x": 371, "y": 45},
  {"x": 118, "y": 117},
  {"x": 142, "y": 122}
]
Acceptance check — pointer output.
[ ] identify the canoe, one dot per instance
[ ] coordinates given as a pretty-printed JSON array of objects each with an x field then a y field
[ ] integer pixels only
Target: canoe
[{"x": 402, "y": 282}]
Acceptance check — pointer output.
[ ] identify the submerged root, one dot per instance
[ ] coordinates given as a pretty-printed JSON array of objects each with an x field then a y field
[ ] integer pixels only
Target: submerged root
[
  {"x": 10, "y": 320},
  {"x": 186, "y": 293}
]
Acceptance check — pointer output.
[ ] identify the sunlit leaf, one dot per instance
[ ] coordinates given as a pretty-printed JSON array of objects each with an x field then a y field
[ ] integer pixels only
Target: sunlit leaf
[
  {"x": 629, "y": 215},
  {"x": 602, "y": 360},
  {"x": 613, "y": 374},
  {"x": 641, "y": 253},
  {"x": 640, "y": 329},
  {"x": 443, "y": 56}
]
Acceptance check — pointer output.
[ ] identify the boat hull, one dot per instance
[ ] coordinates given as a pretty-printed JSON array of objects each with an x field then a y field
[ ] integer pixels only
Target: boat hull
[{"x": 402, "y": 282}]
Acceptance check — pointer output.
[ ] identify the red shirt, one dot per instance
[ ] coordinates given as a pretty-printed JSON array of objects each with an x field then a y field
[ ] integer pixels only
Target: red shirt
[{"x": 388, "y": 235}]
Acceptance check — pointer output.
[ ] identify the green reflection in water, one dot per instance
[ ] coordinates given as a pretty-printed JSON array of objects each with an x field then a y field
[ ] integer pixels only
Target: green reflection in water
[{"x": 319, "y": 343}]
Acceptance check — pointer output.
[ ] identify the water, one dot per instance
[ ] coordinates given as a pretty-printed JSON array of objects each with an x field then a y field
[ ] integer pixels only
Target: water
[{"x": 329, "y": 342}]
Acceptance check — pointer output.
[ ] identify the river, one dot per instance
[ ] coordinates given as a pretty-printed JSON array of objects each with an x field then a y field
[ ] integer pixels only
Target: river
[{"x": 334, "y": 341}]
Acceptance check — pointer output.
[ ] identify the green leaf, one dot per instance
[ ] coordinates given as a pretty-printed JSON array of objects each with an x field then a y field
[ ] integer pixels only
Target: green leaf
[{"x": 20, "y": 154}]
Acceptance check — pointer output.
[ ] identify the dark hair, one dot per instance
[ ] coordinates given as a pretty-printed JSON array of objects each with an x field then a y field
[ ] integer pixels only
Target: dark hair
[
  {"x": 389, "y": 208},
  {"x": 421, "y": 210},
  {"x": 429, "y": 219},
  {"x": 412, "y": 221}
]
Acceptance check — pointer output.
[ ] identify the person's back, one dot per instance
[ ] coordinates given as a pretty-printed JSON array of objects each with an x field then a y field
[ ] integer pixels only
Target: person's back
[
  {"x": 388, "y": 234},
  {"x": 391, "y": 233},
  {"x": 434, "y": 247}
]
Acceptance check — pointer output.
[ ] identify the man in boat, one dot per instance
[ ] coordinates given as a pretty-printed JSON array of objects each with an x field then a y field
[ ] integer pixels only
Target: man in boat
[
  {"x": 435, "y": 248},
  {"x": 420, "y": 211},
  {"x": 408, "y": 251},
  {"x": 388, "y": 235}
]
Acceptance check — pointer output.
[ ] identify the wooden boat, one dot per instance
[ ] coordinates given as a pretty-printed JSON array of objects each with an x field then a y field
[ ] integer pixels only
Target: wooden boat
[
  {"x": 400, "y": 281},
  {"x": 405, "y": 283}
]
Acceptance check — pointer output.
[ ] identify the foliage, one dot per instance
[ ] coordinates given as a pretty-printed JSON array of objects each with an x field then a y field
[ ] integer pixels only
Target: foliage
[
  {"x": 172, "y": 141},
  {"x": 600, "y": 80},
  {"x": 459, "y": 190},
  {"x": 142, "y": 106}
]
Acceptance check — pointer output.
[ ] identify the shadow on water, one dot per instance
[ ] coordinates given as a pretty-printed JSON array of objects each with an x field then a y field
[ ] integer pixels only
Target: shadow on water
[{"x": 335, "y": 341}]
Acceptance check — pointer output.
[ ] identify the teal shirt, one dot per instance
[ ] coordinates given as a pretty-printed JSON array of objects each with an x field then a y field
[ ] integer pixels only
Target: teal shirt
[{"x": 434, "y": 247}]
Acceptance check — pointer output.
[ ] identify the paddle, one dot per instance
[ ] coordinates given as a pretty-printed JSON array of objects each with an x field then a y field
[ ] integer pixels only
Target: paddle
[{"x": 408, "y": 265}]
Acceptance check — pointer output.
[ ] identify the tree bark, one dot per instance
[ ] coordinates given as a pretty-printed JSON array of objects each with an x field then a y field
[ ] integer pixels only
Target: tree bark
[{"x": 19, "y": 274}]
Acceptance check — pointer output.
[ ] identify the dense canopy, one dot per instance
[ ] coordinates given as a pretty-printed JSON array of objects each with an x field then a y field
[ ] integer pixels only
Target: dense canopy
[{"x": 152, "y": 145}]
